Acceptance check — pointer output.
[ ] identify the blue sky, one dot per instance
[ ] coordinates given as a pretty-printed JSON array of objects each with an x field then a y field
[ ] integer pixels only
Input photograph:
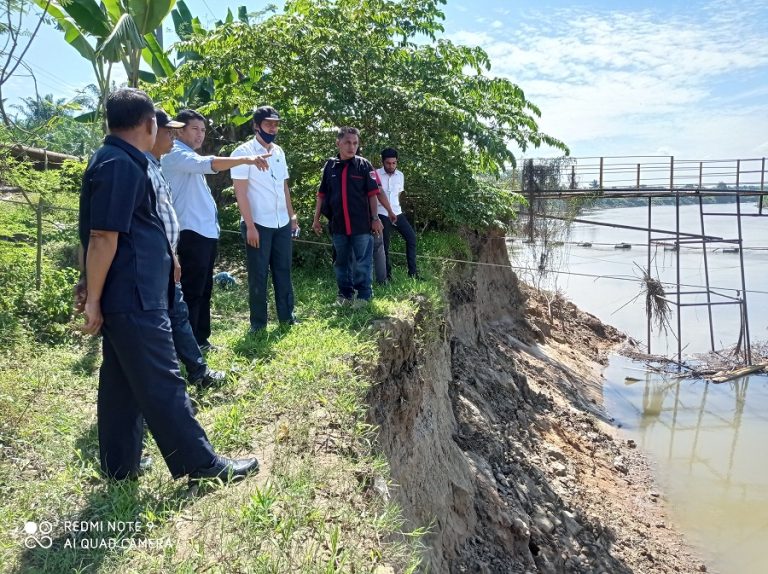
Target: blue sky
[{"x": 688, "y": 79}]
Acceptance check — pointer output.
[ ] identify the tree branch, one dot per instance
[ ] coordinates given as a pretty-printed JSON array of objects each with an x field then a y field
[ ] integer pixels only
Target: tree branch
[{"x": 4, "y": 75}]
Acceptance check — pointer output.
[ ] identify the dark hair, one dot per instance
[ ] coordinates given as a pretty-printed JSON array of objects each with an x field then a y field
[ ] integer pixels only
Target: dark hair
[
  {"x": 127, "y": 108},
  {"x": 347, "y": 131},
  {"x": 265, "y": 113},
  {"x": 187, "y": 115},
  {"x": 388, "y": 152}
]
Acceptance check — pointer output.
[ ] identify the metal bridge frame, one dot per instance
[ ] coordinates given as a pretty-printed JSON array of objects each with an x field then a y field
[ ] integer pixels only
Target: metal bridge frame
[{"x": 663, "y": 177}]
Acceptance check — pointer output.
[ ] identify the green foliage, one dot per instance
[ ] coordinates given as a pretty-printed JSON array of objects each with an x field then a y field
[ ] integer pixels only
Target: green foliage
[
  {"x": 50, "y": 124},
  {"x": 349, "y": 62},
  {"x": 71, "y": 175},
  {"x": 42, "y": 314}
]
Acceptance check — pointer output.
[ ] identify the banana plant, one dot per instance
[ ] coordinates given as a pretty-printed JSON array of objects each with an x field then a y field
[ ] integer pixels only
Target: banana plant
[{"x": 113, "y": 31}]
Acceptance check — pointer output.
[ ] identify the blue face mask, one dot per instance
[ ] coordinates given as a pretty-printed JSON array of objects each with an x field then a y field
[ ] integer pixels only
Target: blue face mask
[{"x": 268, "y": 138}]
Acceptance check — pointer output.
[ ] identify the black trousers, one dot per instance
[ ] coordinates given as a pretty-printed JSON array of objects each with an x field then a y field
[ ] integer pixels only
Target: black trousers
[
  {"x": 404, "y": 228},
  {"x": 197, "y": 255},
  {"x": 140, "y": 380}
]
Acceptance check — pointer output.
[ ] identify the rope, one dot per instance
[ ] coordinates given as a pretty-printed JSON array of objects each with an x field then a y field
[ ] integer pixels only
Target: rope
[{"x": 632, "y": 279}]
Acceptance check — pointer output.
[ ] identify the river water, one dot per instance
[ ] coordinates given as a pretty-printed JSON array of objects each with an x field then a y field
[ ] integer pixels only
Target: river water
[{"x": 708, "y": 441}]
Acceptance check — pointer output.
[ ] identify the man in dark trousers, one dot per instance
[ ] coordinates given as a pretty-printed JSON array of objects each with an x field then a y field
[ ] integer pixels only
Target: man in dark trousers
[
  {"x": 392, "y": 185},
  {"x": 129, "y": 282},
  {"x": 187, "y": 349}
]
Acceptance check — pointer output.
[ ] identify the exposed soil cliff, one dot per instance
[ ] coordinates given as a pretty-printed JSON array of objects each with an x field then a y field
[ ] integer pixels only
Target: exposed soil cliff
[{"x": 493, "y": 426}]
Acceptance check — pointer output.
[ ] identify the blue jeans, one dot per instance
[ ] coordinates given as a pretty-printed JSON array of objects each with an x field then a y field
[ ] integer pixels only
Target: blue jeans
[
  {"x": 358, "y": 277},
  {"x": 379, "y": 261},
  {"x": 275, "y": 253},
  {"x": 184, "y": 340}
]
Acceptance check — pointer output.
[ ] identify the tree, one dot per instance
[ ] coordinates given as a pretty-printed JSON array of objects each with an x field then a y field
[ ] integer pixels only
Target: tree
[
  {"x": 49, "y": 123},
  {"x": 15, "y": 42},
  {"x": 327, "y": 63},
  {"x": 121, "y": 31}
]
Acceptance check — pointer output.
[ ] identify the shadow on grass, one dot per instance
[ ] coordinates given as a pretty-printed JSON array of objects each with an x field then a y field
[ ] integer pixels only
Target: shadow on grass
[
  {"x": 116, "y": 518},
  {"x": 111, "y": 523},
  {"x": 87, "y": 364},
  {"x": 259, "y": 345}
]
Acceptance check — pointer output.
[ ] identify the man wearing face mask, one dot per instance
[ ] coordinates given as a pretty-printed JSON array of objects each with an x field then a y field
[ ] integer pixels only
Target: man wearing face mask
[{"x": 267, "y": 220}]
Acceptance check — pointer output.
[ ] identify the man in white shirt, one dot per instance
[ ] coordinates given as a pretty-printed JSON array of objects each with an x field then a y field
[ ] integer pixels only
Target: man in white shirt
[
  {"x": 195, "y": 207},
  {"x": 267, "y": 220},
  {"x": 392, "y": 185}
]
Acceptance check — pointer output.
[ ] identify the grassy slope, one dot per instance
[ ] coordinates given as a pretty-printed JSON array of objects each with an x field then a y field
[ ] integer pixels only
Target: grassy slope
[{"x": 295, "y": 399}]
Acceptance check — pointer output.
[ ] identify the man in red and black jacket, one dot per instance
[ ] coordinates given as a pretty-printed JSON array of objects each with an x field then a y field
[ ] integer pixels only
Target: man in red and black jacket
[{"x": 348, "y": 198}]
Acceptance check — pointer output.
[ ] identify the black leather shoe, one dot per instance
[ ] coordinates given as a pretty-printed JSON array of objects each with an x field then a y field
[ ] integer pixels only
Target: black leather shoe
[
  {"x": 212, "y": 378},
  {"x": 227, "y": 469},
  {"x": 144, "y": 465},
  {"x": 207, "y": 346}
]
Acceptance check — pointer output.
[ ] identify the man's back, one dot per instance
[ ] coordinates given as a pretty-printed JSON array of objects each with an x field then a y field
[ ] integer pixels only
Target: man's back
[{"x": 116, "y": 196}]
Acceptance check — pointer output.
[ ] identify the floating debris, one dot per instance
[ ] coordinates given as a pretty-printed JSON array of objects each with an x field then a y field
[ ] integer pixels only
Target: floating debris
[{"x": 656, "y": 306}]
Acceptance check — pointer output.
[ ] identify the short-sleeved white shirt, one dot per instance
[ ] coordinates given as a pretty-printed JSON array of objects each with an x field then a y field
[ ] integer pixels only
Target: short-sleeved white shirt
[
  {"x": 266, "y": 192},
  {"x": 392, "y": 186},
  {"x": 185, "y": 170}
]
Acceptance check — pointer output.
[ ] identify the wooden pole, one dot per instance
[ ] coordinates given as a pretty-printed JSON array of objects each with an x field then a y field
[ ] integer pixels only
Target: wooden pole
[
  {"x": 677, "y": 260},
  {"x": 39, "y": 261}
]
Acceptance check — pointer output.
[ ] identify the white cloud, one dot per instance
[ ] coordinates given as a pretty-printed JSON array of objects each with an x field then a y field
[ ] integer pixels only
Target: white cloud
[
  {"x": 641, "y": 82},
  {"x": 497, "y": 24}
]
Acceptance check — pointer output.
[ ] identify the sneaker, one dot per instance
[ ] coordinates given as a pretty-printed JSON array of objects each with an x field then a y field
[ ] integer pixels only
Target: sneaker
[
  {"x": 360, "y": 303},
  {"x": 343, "y": 301}
]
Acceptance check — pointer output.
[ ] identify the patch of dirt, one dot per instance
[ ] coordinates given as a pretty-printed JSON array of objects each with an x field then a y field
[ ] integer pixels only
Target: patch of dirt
[{"x": 497, "y": 438}]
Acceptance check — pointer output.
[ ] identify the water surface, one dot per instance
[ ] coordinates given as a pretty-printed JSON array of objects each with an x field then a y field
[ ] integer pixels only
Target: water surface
[{"x": 708, "y": 441}]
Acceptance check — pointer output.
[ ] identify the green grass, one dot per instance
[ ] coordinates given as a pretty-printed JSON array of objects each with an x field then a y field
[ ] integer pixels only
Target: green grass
[{"x": 294, "y": 398}]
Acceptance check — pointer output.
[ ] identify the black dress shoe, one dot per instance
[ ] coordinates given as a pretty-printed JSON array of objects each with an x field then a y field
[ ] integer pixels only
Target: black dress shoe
[
  {"x": 207, "y": 346},
  {"x": 144, "y": 465},
  {"x": 210, "y": 379},
  {"x": 227, "y": 469}
]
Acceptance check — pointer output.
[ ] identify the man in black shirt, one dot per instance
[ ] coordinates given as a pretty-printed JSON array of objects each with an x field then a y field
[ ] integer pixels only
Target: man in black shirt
[
  {"x": 129, "y": 282},
  {"x": 348, "y": 198}
]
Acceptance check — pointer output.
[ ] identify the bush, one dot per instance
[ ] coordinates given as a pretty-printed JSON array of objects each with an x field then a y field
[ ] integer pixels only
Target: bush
[{"x": 43, "y": 314}]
